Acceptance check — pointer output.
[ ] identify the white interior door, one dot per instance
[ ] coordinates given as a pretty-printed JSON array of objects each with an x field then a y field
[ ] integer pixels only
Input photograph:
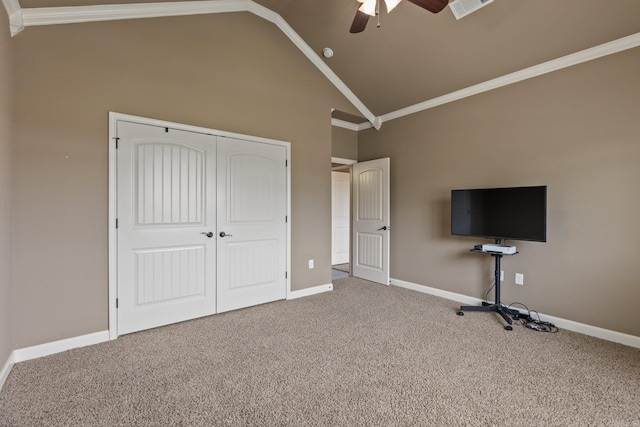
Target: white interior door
[
  {"x": 340, "y": 217},
  {"x": 252, "y": 223},
  {"x": 166, "y": 262},
  {"x": 371, "y": 220}
]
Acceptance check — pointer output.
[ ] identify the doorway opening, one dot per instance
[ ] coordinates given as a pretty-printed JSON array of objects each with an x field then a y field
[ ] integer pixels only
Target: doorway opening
[
  {"x": 341, "y": 218},
  {"x": 360, "y": 206}
]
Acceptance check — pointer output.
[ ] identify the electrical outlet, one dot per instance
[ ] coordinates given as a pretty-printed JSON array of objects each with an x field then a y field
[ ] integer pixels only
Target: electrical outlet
[
  {"x": 519, "y": 279},
  {"x": 310, "y": 264},
  {"x": 502, "y": 275}
]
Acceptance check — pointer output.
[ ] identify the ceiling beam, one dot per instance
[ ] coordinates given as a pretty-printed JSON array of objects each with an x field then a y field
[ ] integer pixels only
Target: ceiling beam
[
  {"x": 110, "y": 12},
  {"x": 20, "y": 18}
]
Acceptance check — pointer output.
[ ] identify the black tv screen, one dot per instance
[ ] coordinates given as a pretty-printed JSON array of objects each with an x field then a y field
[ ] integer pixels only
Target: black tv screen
[{"x": 515, "y": 213}]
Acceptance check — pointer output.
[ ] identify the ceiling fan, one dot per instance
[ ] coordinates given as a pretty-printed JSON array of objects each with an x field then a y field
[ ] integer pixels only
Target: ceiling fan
[{"x": 372, "y": 8}]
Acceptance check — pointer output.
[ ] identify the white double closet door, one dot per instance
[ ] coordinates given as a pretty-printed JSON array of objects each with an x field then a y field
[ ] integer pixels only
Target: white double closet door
[{"x": 201, "y": 225}]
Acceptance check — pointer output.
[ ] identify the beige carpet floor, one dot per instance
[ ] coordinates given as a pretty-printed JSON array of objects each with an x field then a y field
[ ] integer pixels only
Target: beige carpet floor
[{"x": 361, "y": 355}]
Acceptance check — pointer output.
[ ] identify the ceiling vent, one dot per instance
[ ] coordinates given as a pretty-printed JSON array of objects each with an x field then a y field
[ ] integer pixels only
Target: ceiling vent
[{"x": 462, "y": 8}]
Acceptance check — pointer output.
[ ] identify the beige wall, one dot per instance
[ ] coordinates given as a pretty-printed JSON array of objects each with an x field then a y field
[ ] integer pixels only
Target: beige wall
[
  {"x": 6, "y": 342},
  {"x": 344, "y": 143},
  {"x": 233, "y": 72},
  {"x": 575, "y": 130}
]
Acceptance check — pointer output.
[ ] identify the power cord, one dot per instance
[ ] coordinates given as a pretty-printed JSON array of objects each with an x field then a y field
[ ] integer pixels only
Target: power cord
[
  {"x": 526, "y": 320},
  {"x": 529, "y": 322},
  {"x": 486, "y": 294}
]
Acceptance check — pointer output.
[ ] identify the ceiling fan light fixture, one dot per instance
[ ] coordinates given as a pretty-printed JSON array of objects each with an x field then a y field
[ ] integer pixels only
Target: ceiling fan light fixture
[
  {"x": 369, "y": 7},
  {"x": 372, "y": 8},
  {"x": 391, "y": 4}
]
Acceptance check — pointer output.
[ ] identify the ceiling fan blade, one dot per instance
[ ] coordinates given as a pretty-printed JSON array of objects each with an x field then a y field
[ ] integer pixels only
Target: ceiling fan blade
[
  {"x": 433, "y": 6},
  {"x": 359, "y": 22}
]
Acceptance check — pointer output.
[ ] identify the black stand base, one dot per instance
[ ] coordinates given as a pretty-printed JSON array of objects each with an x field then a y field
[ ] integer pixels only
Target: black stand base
[{"x": 496, "y": 308}]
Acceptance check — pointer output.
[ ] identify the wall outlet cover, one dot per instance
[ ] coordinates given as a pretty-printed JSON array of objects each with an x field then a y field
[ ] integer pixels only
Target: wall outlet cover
[{"x": 519, "y": 279}]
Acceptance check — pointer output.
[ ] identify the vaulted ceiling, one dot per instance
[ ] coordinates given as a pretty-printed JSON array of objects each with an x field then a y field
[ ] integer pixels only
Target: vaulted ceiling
[{"x": 415, "y": 56}]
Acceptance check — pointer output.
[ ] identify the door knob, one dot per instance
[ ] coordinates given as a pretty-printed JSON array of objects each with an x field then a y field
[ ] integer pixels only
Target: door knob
[
  {"x": 384, "y": 227},
  {"x": 223, "y": 234},
  {"x": 209, "y": 234}
]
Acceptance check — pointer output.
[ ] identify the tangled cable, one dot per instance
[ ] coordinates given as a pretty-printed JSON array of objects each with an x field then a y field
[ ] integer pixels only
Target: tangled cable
[{"x": 529, "y": 322}]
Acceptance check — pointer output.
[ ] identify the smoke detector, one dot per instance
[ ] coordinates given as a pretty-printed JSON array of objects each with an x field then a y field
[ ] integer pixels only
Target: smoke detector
[{"x": 462, "y": 8}]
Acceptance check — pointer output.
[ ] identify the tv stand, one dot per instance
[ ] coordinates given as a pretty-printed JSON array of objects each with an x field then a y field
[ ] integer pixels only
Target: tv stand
[{"x": 497, "y": 306}]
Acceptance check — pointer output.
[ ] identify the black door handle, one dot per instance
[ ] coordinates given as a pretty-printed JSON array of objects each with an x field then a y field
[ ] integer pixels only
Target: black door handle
[{"x": 209, "y": 234}]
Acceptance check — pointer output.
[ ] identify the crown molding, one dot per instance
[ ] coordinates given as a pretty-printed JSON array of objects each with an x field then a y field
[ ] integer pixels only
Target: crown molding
[
  {"x": 20, "y": 18},
  {"x": 344, "y": 124},
  {"x": 317, "y": 61},
  {"x": 585, "y": 55},
  {"x": 14, "y": 12},
  {"x": 11, "y": 6},
  {"x": 350, "y": 126},
  {"x": 110, "y": 12}
]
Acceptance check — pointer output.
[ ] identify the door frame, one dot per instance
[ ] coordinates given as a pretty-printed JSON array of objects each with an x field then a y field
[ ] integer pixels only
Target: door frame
[{"x": 114, "y": 118}]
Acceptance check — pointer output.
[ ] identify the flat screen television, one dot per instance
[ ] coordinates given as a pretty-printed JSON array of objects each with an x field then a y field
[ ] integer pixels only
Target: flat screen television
[{"x": 515, "y": 213}]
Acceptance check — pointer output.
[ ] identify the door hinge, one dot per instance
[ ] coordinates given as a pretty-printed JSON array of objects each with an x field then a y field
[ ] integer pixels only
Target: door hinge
[
  {"x": 286, "y": 275},
  {"x": 286, "y": 163},
  {"x": 166, "y": 130},
  {"x": 286, "y": 219},
  {"x": 117, "y": 140},
  {"x": 116, "y": 302},
  {"x": 116, "y": 223}
]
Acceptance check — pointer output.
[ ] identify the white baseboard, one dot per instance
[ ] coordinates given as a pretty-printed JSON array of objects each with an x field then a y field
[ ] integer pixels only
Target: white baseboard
[
  {"x": 437, "y": 292},
  {"x": 4, "y": 373},
  {"x": 570, "y": 325},
  {"x": 310, "y": 291},
  {"x": 36, "y": 351},
  {"x": 28, "y": 353}
]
